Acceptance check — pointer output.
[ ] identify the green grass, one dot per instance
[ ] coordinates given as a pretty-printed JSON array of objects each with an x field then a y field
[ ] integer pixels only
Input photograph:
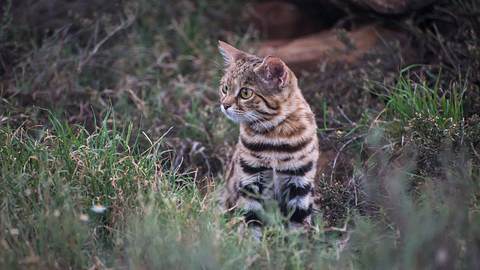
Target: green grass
[
  {"x": 411, "y": 98},
  {"x": 156, "y": 218}
]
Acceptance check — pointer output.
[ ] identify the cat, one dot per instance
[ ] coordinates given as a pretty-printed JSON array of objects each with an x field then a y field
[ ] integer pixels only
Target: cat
[{"x": 277, "y": 151}]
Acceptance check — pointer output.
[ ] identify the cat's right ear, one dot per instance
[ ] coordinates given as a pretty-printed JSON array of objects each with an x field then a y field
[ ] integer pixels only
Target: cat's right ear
[
  {"x": 230, "y": 54},
  {"x": 273, "y": 71}
]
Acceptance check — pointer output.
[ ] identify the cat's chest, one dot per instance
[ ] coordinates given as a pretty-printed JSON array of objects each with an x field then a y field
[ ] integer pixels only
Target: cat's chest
[
  {"x": 268, "y": 158},
  {"x": 277, "y": 150}
]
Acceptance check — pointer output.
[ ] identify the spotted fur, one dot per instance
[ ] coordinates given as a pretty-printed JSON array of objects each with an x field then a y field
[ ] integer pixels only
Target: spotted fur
[{"x": 277, "y": 151}]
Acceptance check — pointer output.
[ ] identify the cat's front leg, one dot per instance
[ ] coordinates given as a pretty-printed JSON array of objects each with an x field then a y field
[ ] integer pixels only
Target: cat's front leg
[
  {"x": 296, "y": 200},
  {"x": 250, "y": 202},
  {"x": 252, "y": 186}
]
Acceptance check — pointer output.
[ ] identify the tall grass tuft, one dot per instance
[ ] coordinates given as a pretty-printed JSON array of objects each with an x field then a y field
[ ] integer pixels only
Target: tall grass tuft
[{"x": 411, "y": 98}]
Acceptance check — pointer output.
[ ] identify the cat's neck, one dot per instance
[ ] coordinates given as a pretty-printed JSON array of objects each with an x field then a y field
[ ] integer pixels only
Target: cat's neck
[{"x": 294, "y": 107}]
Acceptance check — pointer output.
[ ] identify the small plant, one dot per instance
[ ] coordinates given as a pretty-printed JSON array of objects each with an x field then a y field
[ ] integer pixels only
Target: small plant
[{"x": 411, "y": 98}]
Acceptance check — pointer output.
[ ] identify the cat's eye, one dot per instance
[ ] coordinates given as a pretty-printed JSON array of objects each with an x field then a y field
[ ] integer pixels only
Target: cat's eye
[
  {"x": 246, "y": 93},
  {"x": 225, "y": 89}
]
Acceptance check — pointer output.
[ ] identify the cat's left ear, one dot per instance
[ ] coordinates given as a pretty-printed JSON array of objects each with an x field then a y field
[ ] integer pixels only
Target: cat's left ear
[
  {"x": 273, "y": 71},
  {"x": 230, "y": 54}
]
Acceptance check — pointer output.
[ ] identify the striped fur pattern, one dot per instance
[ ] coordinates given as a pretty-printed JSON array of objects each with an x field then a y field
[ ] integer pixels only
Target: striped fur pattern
[{"x": 277, "y": 151}]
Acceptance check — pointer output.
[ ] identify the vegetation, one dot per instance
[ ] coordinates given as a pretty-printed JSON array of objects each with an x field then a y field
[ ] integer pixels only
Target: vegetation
[
  {"x": 56, "y": 183},
  {"x": 112, "y": 148}
]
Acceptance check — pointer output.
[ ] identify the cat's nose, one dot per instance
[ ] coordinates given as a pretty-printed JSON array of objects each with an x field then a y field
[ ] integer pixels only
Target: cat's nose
[{"x": 226, "y": 106}]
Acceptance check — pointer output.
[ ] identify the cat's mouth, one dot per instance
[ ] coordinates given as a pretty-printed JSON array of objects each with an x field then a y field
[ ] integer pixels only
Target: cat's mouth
[{"x": 234, "y": 115}]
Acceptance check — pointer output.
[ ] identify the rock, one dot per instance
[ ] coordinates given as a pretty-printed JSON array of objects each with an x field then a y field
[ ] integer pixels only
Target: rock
[
  {"x": 384, "y": 6},
  {"x": 279, "y": 20},
  {"x": 329, "y": 46},
  {"x": 392, "y": 6}
]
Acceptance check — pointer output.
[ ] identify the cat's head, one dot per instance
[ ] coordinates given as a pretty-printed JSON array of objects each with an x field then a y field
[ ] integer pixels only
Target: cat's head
[{"x": 253, "y": 89}]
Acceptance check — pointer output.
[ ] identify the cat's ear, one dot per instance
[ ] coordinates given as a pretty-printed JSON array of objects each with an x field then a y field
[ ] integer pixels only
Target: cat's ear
[
  {"x": 230, "y": 54},
  {"x": 273, "y": 71}
]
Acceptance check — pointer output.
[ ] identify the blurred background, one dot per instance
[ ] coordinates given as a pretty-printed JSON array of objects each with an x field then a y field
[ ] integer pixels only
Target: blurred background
[{"x": 393, "y": 83}]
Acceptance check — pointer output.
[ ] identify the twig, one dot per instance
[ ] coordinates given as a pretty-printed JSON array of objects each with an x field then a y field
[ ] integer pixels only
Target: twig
[
  {"x": 355, "y": 193},
  {"x": 340, "y": 151},
  {"x": 345, "y": 116},
  {"x": 341, "y": 245},
  {"x": 475, "y": 151},
  {"x": 139, "y": 103},
  {"x": 97, "y": 47},
  {"x": 338, "y": 229},
  {"x": 438, "y": 37}
]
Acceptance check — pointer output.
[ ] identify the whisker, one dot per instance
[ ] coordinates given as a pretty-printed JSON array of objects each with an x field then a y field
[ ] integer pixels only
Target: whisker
[{"x": 259, "y": 120}]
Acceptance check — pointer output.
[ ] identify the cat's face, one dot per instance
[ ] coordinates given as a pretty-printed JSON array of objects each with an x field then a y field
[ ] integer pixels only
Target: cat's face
[{"x": 252, "y": 89}]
